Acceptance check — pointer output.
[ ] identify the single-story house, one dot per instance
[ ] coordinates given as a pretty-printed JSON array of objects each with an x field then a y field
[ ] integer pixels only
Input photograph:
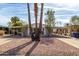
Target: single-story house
[{"x": 26, "y": 31}]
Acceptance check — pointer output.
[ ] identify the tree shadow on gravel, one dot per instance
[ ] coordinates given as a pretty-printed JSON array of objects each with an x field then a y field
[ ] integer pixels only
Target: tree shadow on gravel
[
  {"x": 14, "y": 51},
  {"x": 32, "y": 48}
]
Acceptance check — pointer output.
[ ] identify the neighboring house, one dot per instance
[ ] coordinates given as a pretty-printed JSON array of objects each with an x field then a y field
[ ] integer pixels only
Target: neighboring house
[
  {"x": 55, "y": 30},
  {"x": 4, "y": 28},
  {"x": 74, "y": 28},
  {"x": 19, "y": 30},
  {"x": 61, "y": 30},
  {"x": 26, "y": 32}
]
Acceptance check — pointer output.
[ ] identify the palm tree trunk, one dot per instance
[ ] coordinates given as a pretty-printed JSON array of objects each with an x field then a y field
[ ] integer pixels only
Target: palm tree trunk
[
  {"x": 36, "y": 14},
  {"x": 40, "y": 25},
  {"x": 29, "y": 20},
  {"x": 36, "y": 29},
  {"x": 41, "y": 16},
  {"x": 37, "y": 32}
]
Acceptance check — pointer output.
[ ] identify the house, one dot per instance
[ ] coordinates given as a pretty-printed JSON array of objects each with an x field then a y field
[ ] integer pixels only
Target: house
[
  {"x": 33, "y": 28},
  {"x": 61, "y": 31},
  {"x": 74, "y": 28},
  {"x": 3, "y": 30},
  {"x": 26, "y": 30}
]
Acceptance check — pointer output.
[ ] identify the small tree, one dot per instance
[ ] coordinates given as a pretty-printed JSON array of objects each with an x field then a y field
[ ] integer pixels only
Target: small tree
[
  {"x": 16, "y": 22},
  {"x": 74, "y": 23},
  {"x": 49, "y": 21},
  {"x": 74, "y": 20}
]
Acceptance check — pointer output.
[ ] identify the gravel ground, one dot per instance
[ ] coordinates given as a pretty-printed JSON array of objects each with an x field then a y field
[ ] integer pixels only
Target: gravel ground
[
  {"x": 13, "y": 46},
  {"x": 54, "y": 47},
  {"x": 46, "y": 47}
]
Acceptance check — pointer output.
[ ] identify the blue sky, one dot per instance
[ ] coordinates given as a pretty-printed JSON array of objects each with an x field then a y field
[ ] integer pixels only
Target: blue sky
[{"x": 63, "y": 12}]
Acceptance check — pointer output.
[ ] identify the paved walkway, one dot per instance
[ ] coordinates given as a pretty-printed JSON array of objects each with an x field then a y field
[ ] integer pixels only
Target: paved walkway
[{"x": 71, "y": 41}]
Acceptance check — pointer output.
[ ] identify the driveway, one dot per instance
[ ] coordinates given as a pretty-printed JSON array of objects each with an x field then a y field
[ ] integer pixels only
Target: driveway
[{"x": 71, "y": 41}]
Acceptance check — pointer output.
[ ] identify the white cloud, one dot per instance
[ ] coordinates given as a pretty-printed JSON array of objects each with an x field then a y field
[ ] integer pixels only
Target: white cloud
[
  {"x": 71, "y": 7},
  {"x": 12, "y": 10},
  {"x": 61, "y": 1},
  {"x": 4, "y": 20},
  {"x": 61, "y": 22}
]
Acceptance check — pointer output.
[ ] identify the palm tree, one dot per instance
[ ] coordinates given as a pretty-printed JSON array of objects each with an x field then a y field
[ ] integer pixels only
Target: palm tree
[
  {"x": 37, "y": 33},
  {"x": 30, "y": 27},
  {"x": 40, "y": 24},
  {"x": 36, "y": 14},
  {"x": 41, "y": 14},
  {"x": 36, "y": 29},
  {"x": 29, "y": 19}
]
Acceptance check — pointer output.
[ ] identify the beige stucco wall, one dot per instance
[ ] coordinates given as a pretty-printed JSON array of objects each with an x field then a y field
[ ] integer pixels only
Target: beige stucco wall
[{"x": 2, "y": 32}]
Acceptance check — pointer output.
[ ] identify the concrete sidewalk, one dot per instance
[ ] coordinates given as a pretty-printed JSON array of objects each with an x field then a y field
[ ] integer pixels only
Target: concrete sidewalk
[
  {"x": 71, "y": 41},
  {"x": 3, "y": 41}
]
